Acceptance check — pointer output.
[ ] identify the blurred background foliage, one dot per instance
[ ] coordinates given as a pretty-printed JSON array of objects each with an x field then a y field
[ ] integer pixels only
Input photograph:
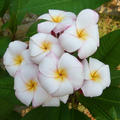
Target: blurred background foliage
[{"x": 18, "y": 22}]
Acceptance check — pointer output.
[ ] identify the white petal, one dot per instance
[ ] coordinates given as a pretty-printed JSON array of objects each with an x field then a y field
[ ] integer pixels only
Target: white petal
[
  {"x": 38, "y": 38},
  {"x": 54, "y": 13},
  {"x": 70, "y": 15},
  {"x": 88, "y": 48},
  {"x": 86, "y": 69},
  {"x": 87, "y": 17},
  {"x": 8, "y": 58},
  {"x": 49, "y": 83},
  {"x": 57, "y": 49},
  {"x": 52, "y": 101},
  {"x": 75, "y": 75},
  {"x": 69, "y": 42},
  {"x": 40, "y": 96},
  {"x": 28, "y": 72},
  {"x": 95, "y": 64},
  {"x": 93, "y": 33},
  {"x": 25, "y": 97},
  {"x": 19, "y": 83},
  {"x": 12, "y": 69},
  {"x": 46, "y": 27},
  {"x": 34, "y": 49},
  {"x": 17, "y": 47},
  {"x": 48, "y": 65},
  {"x": 65, "y": 88},
  {"x": 37, "y": 59},
  {"x": 45, "y": 17},
  {"x": 74, "y": 69},
  {"x": 64, "y": 98},
  {"x": 105, "y": 76},
  {"x": 92, "y": 89}
]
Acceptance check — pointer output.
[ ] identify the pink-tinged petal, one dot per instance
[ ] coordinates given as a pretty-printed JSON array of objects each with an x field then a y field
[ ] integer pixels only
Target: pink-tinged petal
[
  {"x": 105, "y": 76},
  {"x": 65, "y": 24},
  {"x": 38, "y": 38},
  {"x": 54, "y": 13},
  {"x": 48, "y": 65},
  {"x": 95, "y": 64},
  {"x": 28, "y": 72},
  {"x": 11, "y": 69},
  {"x": 87, "y": 18},
  {"x": 48, "y": 83},
  {"x": 25, "y": 97},
  {"x": 75, "y": 75},
  {"x": 19, "y": 83},
  {"x": 88, "y": 48},
  {"x": 70, "y": 15},
  {"x": 45, "y": 17},
  {"x": 68, "y": 61},
  {"x": 40, "y": 96},
  {"x": 8, "y": 58},
  {"x": 46, "y": 27},
  {"x": 34, "y": 49},
  {"x": 65, "y": 88},
  {"x": 37, "y": 59},
  {"x": 57, "y": 49},
  {"x": 64, "y": 98},
  {"x": 17, "y": 47},
  {"x": 93, "y": 33},
  {"x": 26, "y": 57},
  {"x": 69, "y": 42},
  {"x": 92, "y": 89},
  {"x": 52, "y": 101},
  {"x": 86, "y": 69}
]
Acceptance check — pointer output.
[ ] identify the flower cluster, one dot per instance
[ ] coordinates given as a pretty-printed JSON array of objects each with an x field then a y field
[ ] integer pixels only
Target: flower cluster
[{"x": 46, "y": 71}]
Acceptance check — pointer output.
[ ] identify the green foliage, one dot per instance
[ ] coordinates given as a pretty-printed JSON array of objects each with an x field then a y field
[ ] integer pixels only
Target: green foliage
[
  {"x": 109, "y": 50},
  {"x": 4, "y": 41}
]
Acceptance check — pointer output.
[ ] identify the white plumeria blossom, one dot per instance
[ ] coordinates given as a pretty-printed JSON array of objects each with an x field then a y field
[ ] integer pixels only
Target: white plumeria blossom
[
  {"x": 62, "y": 76},
  {"x": 83, "y": 35},
  {"x": 97, "y": 77},
  {"x": 16, "y": 55},
  {"x": 57, "y": 21},
  {"x": 28, "y": 89},
  {"x": 41, "y": 44}
]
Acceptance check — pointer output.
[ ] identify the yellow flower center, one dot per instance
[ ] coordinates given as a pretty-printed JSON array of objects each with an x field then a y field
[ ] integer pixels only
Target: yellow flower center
[
  {"x": 45, "y": 46},
  {"x": 31, "y": 85},
  {"x": 18, "y": 59},
  {"x": 57, "y": 19},
  {"x": 95, "y": 76},
  {"x": 82, "y": 34},
  {"x": 60, "y": 74}
]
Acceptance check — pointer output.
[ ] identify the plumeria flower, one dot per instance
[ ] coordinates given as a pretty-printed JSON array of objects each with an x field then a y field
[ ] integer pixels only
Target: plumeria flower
[
  {"x": 97, "y": 77},
  {"x": 62, "y": 76},
  {"x": 16, "y": 55},
  {"x": 83, "y": 35},
  {"x": 41, "y": 44},
  {"x": 57, "y": 21},
  {"x": 28, "y": 89}
]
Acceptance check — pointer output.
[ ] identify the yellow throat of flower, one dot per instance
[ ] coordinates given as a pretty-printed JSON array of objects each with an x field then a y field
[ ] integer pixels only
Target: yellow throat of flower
[
  {"x": 57, "y": 19},
  {"x": 46, "y": 46},
  {"x": 60, "y": 74},
  {"x": 18, "y": 59},
  {"x": 31, "y": 85},
  {"x": 95, "y": 76},
  {"x": 82, "y": 34}
]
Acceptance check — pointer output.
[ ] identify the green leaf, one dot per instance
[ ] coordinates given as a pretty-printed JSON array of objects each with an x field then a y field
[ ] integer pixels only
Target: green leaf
[
  {"x": 4, "y": 41},
  {"x": 54, "y": 113},
  {"x": 8, "y": 101},
  {"x": 21, "y": 7},
  {"x": 109, "y": 50}
]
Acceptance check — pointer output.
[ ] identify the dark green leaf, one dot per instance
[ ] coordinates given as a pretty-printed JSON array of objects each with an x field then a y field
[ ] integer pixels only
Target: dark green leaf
[
  {"x": 109, "y": 50},
  {"x": 4, "y": 41}
]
